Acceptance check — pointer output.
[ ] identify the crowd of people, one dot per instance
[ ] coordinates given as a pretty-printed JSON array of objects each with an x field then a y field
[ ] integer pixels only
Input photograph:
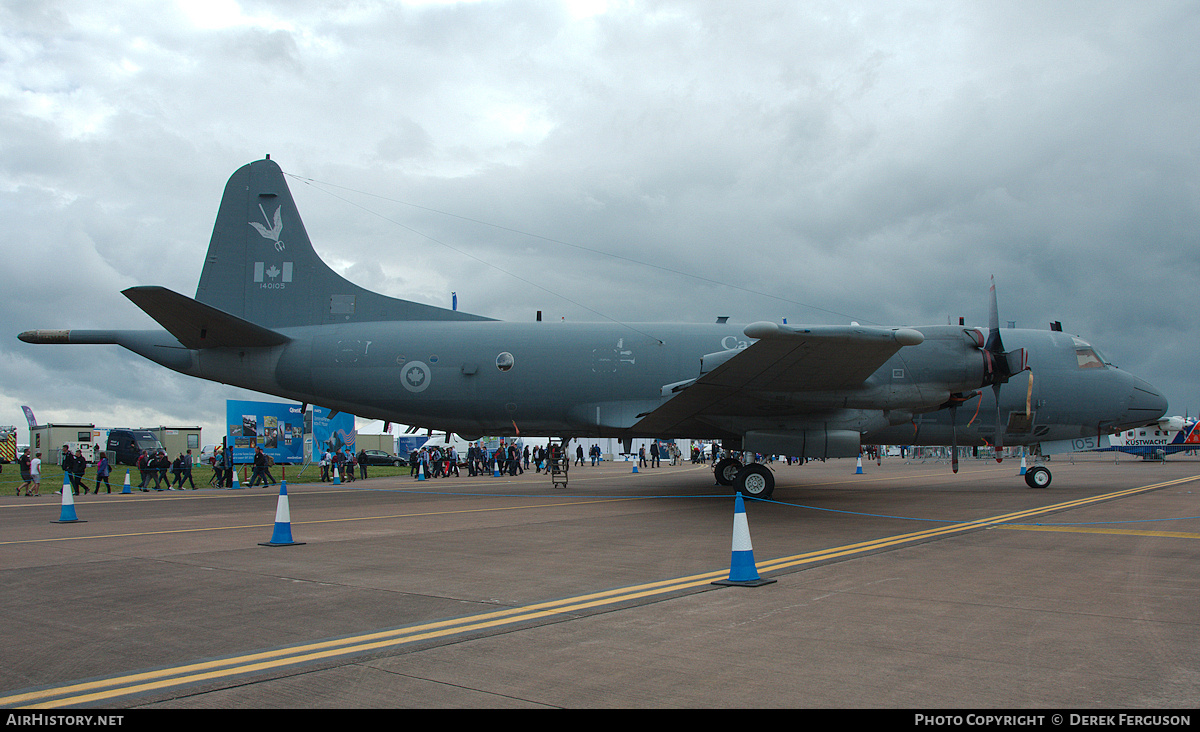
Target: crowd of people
[
  {"x": 154, "y": 467},
  {"x": 514, "y": 459},
  {"x": 151, "y": 468},
  {"x": 432, "y": 461},
  {"x": 505, "y": 459},
  {"x": 341, "y": 464}
]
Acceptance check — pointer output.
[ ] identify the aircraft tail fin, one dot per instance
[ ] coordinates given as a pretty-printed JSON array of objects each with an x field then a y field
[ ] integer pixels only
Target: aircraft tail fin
[
  {"x": 261, "y": 266},
  {"x": 197, "y": 325}
]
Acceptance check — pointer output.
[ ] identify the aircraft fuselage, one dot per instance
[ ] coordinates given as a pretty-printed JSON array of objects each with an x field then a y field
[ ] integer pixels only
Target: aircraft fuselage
[{"x": 595, "y": 380}]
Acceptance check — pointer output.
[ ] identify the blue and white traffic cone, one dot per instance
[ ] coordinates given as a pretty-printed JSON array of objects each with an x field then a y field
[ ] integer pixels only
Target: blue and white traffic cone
[
  {"x": 67, "y": 515},
  {"x": 283, "y": 522},
  {"x": 858, "y": 470},
  {"x": 420, "y": 471},
  {"x": 1022, "y": 465},
  {"x": 742, "y": 570},
  {"x": 635, "y": 462},
  {"x": 127, "y": 488},
  {"x": 337, "y": 478},
  {"x": 236, "y": 485},
  {"x": 495, "y": 468}
]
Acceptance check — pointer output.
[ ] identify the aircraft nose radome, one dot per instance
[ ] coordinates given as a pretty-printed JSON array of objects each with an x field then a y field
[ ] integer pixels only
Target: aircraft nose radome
[{"x": 1146, "y": 404}]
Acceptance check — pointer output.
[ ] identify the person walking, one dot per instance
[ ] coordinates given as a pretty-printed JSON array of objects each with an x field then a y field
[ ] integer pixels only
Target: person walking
[
  {"x": 215, "y": 462},
  {"x": 227, "y": 466},
  {"x": 260, "y": 466},
  {"x": 35, "y": 474},
  {"x": 27, "y": 480},
  {"x": 143, "y": 468},
  {"x": 187, "y": 471},
  {"x": 176, "y": 473},
  {"x": 103, "y": 469},
  {"x": 158, "y": 469}
]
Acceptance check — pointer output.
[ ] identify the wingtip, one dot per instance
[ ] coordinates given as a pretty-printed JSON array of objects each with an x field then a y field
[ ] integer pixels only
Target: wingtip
[{"x": 45, "y": 336}]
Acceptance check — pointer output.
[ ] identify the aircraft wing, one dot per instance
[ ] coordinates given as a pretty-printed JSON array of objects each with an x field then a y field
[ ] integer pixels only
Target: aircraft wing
[
  {"x": 783, "y": 360},
  {"x": 197, "y": 325}
]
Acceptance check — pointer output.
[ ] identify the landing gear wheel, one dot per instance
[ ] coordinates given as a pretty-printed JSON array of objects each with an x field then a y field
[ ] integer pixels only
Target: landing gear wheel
[
  {"x": 1037, "y": 477},
  {"x": 755, "y": 481},
  {"x": 726, "y": 470}
]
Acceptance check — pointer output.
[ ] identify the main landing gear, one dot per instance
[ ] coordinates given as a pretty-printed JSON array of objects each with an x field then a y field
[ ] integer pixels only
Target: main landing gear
[{"x": 753, "y": 480}]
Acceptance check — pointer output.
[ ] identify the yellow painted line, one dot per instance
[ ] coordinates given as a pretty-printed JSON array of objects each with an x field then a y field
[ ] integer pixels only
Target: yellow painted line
[
  {"x": 1118, "y": 532},
  {"x": 192, "y": 673},
  {"x": 103, "y": 689},
  {"x": 891, "y": 541}
]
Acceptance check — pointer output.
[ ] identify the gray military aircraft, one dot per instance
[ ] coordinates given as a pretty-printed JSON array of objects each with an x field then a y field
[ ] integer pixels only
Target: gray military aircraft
[{"x": 270, "y": 316}]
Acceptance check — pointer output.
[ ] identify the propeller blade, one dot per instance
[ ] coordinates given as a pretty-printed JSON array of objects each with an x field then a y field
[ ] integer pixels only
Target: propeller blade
[{"x": 994, "y": 344}]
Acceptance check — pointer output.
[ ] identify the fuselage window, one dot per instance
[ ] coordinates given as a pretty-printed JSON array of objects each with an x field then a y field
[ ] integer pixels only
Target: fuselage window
[{"x": 505, "y": 361}]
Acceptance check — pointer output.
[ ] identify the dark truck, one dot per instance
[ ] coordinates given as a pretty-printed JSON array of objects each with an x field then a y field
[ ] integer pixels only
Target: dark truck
[{"x": 124, "y": 445}]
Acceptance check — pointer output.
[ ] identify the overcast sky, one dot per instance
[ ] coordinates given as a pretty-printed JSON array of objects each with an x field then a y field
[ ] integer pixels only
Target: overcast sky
[{"x": 819, "y": 161}]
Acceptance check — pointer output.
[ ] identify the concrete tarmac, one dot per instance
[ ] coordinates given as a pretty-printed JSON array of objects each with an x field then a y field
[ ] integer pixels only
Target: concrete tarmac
[{"x": 904, "y": 587}]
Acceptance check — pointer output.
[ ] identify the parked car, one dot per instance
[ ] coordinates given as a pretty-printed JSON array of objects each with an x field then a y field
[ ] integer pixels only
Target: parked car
[
  {"x": 379, "y": 457},
  {"x": 206, "y": 454}
]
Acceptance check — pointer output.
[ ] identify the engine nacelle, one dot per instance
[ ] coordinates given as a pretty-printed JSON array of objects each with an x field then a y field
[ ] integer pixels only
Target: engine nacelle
[{"x": 1171, "y": 424}]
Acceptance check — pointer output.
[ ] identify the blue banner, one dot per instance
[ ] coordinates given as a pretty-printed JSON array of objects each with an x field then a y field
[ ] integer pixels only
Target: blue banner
[
  {"x": 331, "y": 433},
  {"x": 276, "y": 427}
]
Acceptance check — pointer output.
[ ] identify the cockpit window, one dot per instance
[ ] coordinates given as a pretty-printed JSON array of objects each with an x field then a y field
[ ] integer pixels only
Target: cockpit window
[{"x": 1088, "y": 359}]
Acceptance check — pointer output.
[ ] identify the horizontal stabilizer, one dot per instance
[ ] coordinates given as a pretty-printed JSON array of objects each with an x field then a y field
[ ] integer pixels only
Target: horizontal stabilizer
[{"x": 197, "y": 325}]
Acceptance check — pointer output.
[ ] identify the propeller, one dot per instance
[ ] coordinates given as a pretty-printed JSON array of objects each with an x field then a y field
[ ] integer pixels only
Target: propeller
[{"x": 999, "y": 365}]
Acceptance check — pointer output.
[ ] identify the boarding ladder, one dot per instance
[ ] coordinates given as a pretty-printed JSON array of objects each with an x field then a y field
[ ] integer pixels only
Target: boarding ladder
[{"x": 558, "y": 463}]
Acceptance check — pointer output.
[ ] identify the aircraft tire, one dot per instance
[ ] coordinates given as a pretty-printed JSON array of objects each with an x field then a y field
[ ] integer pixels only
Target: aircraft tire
[
  {"x": 727, "y": 470},
  {"x": 1037, "y": 477},
  {"x": 755, "y": 481}
]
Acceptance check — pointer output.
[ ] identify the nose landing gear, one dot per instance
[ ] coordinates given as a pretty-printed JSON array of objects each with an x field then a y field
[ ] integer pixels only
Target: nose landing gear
[{"x": 1037, "y": 477}]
